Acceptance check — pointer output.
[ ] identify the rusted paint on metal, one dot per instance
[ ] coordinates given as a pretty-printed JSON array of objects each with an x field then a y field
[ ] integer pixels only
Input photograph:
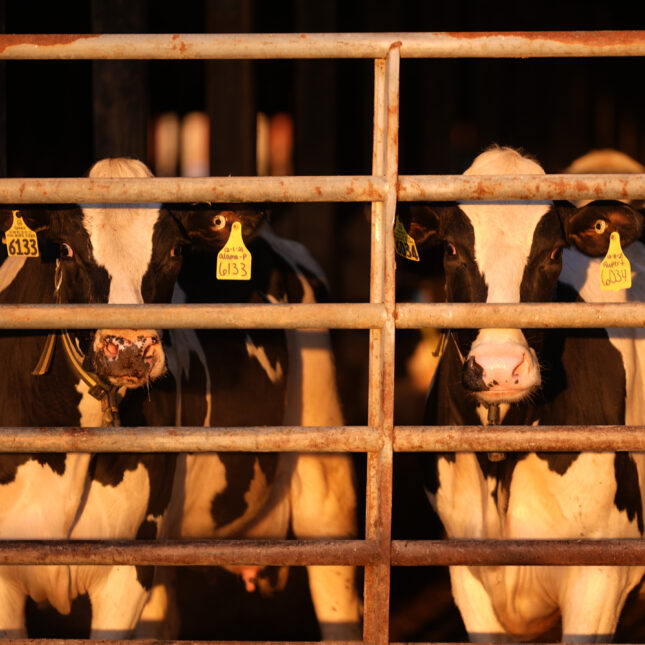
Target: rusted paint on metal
[
  {"x": 524, "y": 315},
  {"x": 606, "y": 38},
  {"x": 519, "y": 438},
  {"x": 191, "y": 439},
  {"x": 518, "y": 552},
  {"x": 41, "y": 40},
  {"x": 195, "y": 316},
  {"x": 189, "y": 552}
]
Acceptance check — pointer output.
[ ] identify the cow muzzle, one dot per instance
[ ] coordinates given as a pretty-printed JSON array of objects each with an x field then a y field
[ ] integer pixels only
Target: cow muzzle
[
  {"x": 501, "y": 372},
  {"x": 128, "y": 357}
]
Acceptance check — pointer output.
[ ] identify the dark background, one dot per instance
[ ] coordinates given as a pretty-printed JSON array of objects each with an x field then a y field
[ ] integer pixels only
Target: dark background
[{"x": 58, "y": 117}]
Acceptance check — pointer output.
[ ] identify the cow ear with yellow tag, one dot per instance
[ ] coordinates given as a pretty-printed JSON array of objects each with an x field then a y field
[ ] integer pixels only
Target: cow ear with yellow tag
[
  {"x": 19, "y": 230},
  {"x": 590, "y": 227}
]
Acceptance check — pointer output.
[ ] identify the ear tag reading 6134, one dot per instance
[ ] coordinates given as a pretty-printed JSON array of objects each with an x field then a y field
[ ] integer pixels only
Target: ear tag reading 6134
[
  {"x": 21, "y": 241},
  {"x": 615, "y": 270},
  {"x": 234, "y": 260},
  {"x": 404, "y": 243}
]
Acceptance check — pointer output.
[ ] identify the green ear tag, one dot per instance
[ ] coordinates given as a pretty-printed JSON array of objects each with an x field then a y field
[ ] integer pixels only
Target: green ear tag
[
  {"x": 615, "y": 270},
  {"x": 21, "y": 241},
  {"x": 404, "y": 244},
  {"x": 234, "y": 260}
]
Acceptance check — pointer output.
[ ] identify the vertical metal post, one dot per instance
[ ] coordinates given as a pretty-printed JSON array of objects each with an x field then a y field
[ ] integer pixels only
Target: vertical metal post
[{"x": 381, "y": 366}]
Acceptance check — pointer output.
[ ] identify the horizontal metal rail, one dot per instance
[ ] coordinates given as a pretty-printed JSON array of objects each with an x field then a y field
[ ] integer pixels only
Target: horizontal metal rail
[
  {"x": 519, "y": 438},
  {"x": 191, "y": 439},
  {"x": 179, "y": 553},
  {"x": 592, "y": 438},
  {"x": 524, "y": 315},
  {"x": 542, "y": 44},
  {"x": 518, "y": 552},
  {"x": 193, "y": 316},
  {"x": 331, "y": 316},
  {"x": 320, "y": 188},
  {"x": 192, "y": 189},
  {"x": 218, "y": 552}
]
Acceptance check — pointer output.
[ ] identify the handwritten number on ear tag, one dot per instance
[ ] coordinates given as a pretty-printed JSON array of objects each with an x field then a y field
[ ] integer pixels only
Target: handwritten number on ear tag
[
  {"x": 234, "y": 260},
  {"x": 21, "y": 241},
  {"x": 615, "y": 270},
  {"x": 404, "y": 243}
]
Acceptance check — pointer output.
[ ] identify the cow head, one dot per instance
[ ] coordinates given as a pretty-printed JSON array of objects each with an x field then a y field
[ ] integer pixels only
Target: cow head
[
  {"x": 498, "y": 252},
  {"x": 124, "y": 254}
]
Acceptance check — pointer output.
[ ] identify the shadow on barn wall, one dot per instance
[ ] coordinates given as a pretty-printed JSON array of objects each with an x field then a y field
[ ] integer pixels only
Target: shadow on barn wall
[{"x": 61, "y": 116}]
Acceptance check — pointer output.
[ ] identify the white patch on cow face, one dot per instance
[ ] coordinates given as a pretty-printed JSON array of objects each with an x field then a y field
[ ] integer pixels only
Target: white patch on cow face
[
  {"x": 121, "y": 236},
  {"x": 9, "y": 270},
  {"x": 503, "y": 239}
]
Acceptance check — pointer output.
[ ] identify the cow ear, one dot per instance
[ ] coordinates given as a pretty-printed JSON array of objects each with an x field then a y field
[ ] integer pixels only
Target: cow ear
[
  {"x": 590, "y": 227},
  {"x": 210, "y": 226},
  {"x": 422, "y": 222},
  {"x": 36, "y": 217}
]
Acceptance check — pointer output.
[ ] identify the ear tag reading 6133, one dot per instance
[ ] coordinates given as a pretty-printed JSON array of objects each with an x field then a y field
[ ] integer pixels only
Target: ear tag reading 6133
[
  {"x": 404, "y": 243},
  {"x": 234, "y": 260},
  {"x": 21, "y": 241},
  {"x": 615, "y": 270}
]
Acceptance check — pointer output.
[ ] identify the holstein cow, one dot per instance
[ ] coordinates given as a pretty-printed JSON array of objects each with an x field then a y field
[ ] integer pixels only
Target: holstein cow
[
  {"x": 88, "y": 254},
  {"x": 506, "y": 253},
  {"x": 249, "y": 378}
]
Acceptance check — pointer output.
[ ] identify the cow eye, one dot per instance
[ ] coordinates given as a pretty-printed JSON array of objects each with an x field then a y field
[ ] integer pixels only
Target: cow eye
[
  {"x": 556, "y": 254},
  {"x": 450, "y": 249},
  {"x": 175, "y": 252},
  {"x": 600, "y": 226},
  {"x": 219, "y": 222},
  {"x": 66, "y": 251}
]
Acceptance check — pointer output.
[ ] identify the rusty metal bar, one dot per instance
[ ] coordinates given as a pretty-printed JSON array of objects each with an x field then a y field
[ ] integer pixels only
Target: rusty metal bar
[
  {"x": 190, "y": 439},
  {"x": 320, "y": 188},
  {"x": 519, "y": 187},
  {"x": 151, "y": 641},
  {"x": 523, "y": 315},
  {"x": 188, "y": 552},
  {"x": 543, "y": 44},
  {"x": 193, "y": 316},
  {"x": 518, "y": 552},
  {"x": 191, "y": 189},
  {"x": 381, "y": 366},
  {"x": 519, "y": 438}
]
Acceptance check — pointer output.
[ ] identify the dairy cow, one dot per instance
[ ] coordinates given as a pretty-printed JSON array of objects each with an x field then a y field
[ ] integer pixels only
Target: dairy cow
[
  {"x": 505, "y": 253},
  {"x": 88, "y": 254},
  {"x": 249, "y": 378}
]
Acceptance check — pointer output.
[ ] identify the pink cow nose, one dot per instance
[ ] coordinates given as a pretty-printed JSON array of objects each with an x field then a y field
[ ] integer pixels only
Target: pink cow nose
[{"x": 502, "y": 368}]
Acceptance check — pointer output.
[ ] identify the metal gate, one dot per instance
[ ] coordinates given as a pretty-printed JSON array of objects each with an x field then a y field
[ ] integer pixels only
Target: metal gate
[{"x": 382, "y": 315}]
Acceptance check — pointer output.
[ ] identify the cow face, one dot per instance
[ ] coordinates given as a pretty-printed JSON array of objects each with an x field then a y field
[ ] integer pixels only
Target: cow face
[
  {"x": 126, "y": 254},
  {"x": 509, "y": 253}
]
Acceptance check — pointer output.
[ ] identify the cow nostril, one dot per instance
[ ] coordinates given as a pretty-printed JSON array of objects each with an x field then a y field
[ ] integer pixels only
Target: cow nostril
[
  {"x": 111, "y": 350},
  {"x": 518, "y": 368}
]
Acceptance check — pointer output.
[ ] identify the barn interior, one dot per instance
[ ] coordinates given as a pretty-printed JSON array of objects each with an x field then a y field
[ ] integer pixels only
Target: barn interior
[{"x": 314, "y": 117}]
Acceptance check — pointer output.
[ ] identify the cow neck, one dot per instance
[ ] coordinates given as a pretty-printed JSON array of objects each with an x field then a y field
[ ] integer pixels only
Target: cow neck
[
  {"x": 493, "y": 412},
  {"x": 104, "y": 392}
]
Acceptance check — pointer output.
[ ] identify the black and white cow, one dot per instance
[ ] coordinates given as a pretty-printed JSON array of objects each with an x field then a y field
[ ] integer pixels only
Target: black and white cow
[
  {"x": 121, "y": 254},
  {"x": 116, "y": 254},
  {"x": 506, "y": 253},
  {"x": 250, "y": 378}
]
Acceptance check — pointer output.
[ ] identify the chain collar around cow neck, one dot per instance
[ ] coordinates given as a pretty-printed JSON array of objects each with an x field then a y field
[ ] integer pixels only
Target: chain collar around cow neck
[
  {"x": 493, "y": 416},
  {"x": 104, "y": 392}
]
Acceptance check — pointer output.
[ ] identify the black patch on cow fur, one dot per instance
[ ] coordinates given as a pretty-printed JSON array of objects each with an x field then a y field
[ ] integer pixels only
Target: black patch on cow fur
[
  {"x": 628, "y": 493},
  {"x": 9, "y": 464}
]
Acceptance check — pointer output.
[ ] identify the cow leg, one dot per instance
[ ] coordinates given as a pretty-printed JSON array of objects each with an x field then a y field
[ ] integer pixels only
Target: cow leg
[
  {"x": 476, "y": 608},
  {"x": 12, "y": 610},
  {"x": 592, "y": 600},
  {"x": 160, "y": 618},
  {"x": 117, "y": 600},
  {"x": 323, "y": 505}
]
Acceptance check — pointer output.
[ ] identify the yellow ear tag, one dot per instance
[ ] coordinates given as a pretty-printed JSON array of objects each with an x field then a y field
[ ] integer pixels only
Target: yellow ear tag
[
  {"x": 615, "y": 270},
  {"x": 404, "y": 244},
  {"x": 21, "y": 241},
  {"x": 234, "y": 260}
]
